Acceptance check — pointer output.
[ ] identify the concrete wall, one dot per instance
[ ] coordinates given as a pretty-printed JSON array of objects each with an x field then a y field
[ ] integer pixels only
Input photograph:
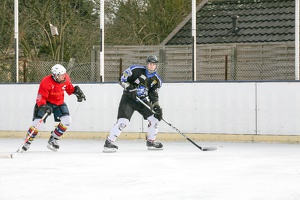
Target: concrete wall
[{"x": 218, "y": 107}]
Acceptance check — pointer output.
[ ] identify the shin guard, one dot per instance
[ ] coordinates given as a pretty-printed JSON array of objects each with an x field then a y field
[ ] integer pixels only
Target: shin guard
[
  {"x": 118, "y": 129},
  {"x": 59, "y": 130},
  {"x": 152, "y": 128},
  {"x": 33, "y": 135}
]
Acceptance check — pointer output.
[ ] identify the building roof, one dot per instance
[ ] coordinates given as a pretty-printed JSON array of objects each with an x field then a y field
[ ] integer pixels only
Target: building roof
[{"x": 256, "y": 21}]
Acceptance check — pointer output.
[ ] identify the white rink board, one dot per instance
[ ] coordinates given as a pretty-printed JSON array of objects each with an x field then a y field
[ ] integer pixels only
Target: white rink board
[
  {"x": 278, "y": 106},
  {"x": 210, "y": 107},
  {"x": 97, "y": 114}
]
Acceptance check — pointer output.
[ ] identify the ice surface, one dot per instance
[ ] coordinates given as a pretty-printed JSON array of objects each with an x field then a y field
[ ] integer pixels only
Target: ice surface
[{"x": 79, "y": 170}]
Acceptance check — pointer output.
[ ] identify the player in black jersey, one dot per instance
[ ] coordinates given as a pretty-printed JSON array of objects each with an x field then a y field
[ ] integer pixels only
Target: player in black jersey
[{"x": 142, "y": 82}]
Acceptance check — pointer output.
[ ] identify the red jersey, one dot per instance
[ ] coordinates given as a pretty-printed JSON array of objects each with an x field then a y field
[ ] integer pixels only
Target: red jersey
[{"x": 52, "y": 91}]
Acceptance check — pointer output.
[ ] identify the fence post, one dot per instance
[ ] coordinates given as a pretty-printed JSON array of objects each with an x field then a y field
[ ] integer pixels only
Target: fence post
[
  {"x": 162, "y": 60},
  {"x": 226, "y": 66},
  {"x": 234, "y": 63},
  {"x": 25, "y": 70},
  {"x": 120, "y": 68}
]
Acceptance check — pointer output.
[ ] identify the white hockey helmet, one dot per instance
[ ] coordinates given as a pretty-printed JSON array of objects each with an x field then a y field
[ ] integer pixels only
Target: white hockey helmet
[{"x": 58, "y": 69}]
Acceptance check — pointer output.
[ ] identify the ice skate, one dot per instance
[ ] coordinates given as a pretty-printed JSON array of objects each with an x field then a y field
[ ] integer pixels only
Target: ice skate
[
  {"x": 109, "y": 147},
  {"x": 52, "y": 143},
  {"x": 152, "y": 145},
  {"x": 25, "y": 147}
]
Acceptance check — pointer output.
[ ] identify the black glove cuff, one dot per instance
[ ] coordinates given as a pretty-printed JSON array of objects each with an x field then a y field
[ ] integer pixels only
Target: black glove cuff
[
  {"x": 131, "y": 88},
  {"x": 79, "y": 94}
]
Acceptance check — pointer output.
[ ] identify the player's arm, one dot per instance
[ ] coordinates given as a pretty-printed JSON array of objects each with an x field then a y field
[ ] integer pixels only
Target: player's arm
[
  {"x": 70, "y": 89},
  {"x": 41, "y": 99},
  {"x": 153, "y": 96},
  {"x": 153, "y": 91},
  {"x": 126, "y": 82}
]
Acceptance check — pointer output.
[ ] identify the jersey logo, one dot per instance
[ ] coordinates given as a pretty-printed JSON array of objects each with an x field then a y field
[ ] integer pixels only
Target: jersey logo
[
  {"x": 143, "y": 77},
  {"x": 153, "y": 83},
  {"x": 137, "y": 81},
  {"x": 63, "y": 87}
]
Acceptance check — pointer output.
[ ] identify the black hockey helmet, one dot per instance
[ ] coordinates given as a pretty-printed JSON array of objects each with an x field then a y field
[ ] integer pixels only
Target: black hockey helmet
[{"x": 152, "y": 59}]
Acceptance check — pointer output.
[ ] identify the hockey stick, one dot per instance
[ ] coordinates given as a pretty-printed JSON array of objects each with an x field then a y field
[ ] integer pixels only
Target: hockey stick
[
  {"x": 176, "y": 129},
  {"x": 26, "y": 139},
  {"x": 78, "y": 104}
]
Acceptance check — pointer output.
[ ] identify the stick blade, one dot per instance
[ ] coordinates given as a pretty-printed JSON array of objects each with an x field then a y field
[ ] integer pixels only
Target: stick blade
[
  {"x": 6, "y": 156},
  {"x": 209, "y": 148}
]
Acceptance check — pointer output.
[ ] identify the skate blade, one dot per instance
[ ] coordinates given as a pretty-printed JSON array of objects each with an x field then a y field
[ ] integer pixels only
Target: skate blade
[
  {"x": 21, "y": 150},
  {"x": 51, "y": 148},
  {"x": 154, "y": 148},
  {"x": 109, "y": 150}
]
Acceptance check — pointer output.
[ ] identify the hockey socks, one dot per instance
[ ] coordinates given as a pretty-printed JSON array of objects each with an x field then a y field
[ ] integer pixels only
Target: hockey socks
[
  {"x": 31, "y": 133},
  {"x": 55, "y": 135}
]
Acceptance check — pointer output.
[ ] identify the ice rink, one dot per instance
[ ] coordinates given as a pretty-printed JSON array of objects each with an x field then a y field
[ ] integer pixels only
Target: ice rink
[{"x": 79, "y": 170}]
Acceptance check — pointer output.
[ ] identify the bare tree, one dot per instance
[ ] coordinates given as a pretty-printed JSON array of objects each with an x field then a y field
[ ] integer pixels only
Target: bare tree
[
  {"x": 75, "y": 22},
  {"x": 127, "y": 22},
  {"x": 6, "y": 29},
  {"x": 144, "y": 22}
]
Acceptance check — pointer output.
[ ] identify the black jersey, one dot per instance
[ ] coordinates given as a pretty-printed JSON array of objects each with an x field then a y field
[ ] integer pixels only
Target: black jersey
[{"x": 139, "y": 77}]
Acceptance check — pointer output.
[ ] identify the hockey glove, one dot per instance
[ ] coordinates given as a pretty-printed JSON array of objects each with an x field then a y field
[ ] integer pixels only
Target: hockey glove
[
  {"x": 131, "y": 91},
  {"x": 158, "y": 112},
  {"x": 79, "y": 94},
  {"x": 45, "y": 109},
  {"x": 142, "y": 92}
]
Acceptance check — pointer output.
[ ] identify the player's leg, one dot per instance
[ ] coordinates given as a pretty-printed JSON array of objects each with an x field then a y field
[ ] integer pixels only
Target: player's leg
[
  {"x": 62, "y": 116},
  {"x": 152, "y": 128},
  {"x": 114, "y": 133},
  {"x": 125, "y": 112},
  {"x": 32, "y": 131},
  {"x": 152, "y": 133}
]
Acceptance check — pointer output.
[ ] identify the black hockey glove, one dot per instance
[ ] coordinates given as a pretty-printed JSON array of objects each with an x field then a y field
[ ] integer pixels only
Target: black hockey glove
[
  {"x": 158, "y": 112},
  {"x": 45, "y": 109},
  {"x": 131, "y": 91},
  {"x": 79, "y": 94}
]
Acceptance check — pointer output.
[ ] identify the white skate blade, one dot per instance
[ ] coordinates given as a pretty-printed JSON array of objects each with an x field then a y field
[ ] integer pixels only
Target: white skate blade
[
  {"x": 109, "y": 150},
  {"x": 21, "y": 151},
  {"x": 51, "y": 148},
  {"x": 154, "y": 148}
]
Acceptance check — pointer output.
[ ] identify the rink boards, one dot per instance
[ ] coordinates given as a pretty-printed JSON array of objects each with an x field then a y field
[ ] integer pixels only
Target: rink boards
[{"x": 205, "y": 109}]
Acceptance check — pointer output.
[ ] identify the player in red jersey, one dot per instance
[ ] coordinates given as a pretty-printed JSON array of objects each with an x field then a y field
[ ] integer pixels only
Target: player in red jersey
[{"x": 50, "y": 99}]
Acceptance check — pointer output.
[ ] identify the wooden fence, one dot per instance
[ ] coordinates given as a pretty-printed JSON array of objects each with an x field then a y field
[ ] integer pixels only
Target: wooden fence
[{"x": 254, "y": 61}]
